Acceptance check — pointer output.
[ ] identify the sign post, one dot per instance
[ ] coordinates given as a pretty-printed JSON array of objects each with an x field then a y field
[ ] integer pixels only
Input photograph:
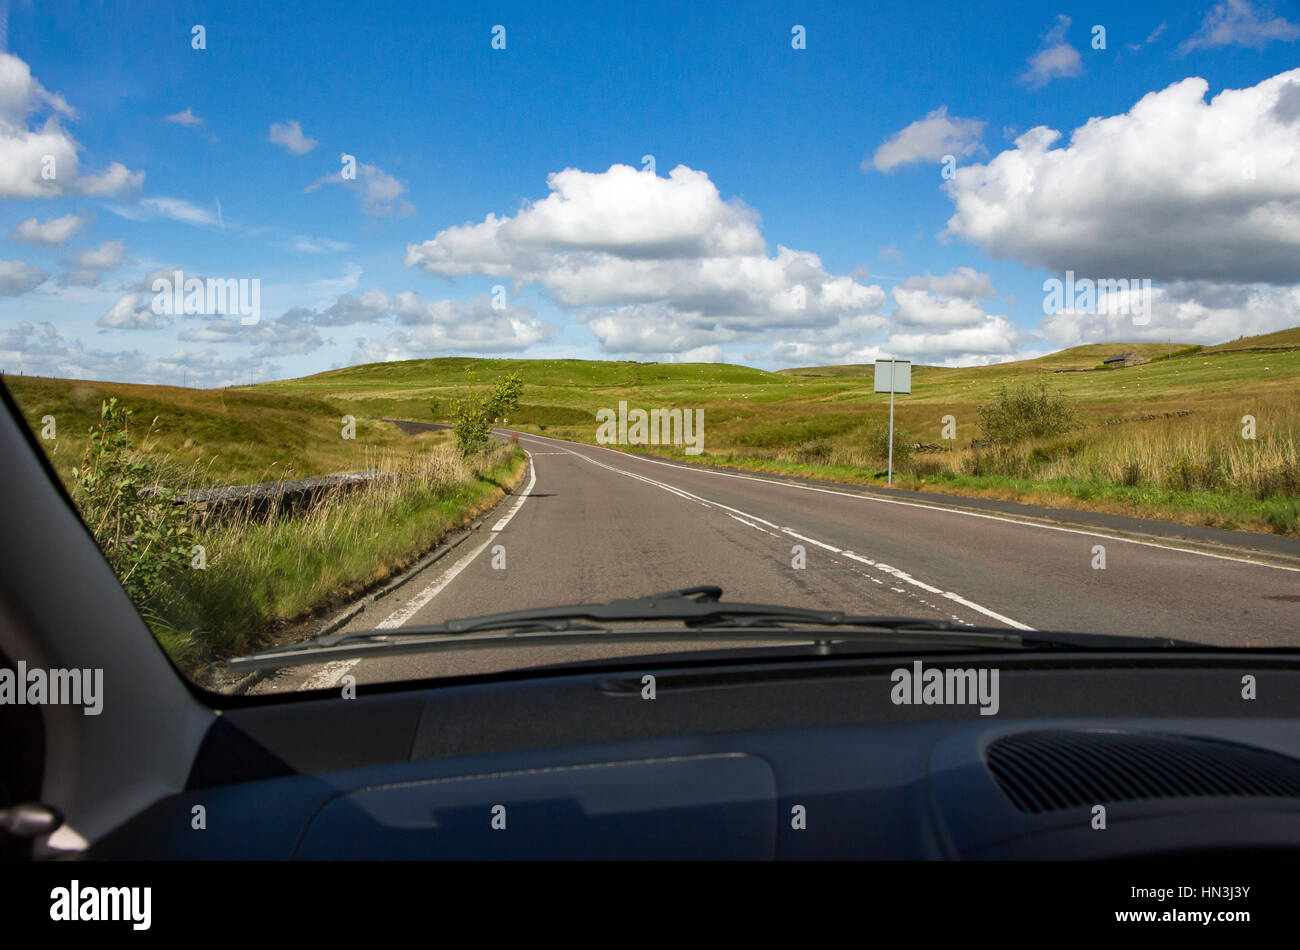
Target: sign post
[{"x": 893, "y": 376}]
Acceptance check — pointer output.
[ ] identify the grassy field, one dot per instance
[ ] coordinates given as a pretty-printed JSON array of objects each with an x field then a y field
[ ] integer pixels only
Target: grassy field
[{"x": 216, "y": 436}]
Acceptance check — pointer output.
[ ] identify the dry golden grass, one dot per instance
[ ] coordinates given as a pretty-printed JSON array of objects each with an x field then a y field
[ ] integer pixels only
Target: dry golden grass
[{"x": 266, "y": 569}]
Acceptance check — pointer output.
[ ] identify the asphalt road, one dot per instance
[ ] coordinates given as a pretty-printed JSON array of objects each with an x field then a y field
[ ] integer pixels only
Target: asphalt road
[{"x": 594, "y": 524}]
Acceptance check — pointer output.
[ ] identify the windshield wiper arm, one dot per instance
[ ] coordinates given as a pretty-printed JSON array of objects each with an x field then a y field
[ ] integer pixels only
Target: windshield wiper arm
[{"x": 699, "y": 609}]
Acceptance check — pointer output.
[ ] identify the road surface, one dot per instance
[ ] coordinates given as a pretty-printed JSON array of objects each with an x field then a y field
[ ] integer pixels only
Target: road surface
[{"x": 591, "y": 524}]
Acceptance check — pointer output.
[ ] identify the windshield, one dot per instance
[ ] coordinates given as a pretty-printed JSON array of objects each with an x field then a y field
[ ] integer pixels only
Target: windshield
[{"x": 359, "y": 322}]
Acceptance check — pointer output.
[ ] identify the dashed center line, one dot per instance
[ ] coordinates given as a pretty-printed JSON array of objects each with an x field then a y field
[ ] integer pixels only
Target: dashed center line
[{"x": 754, "y": 521}]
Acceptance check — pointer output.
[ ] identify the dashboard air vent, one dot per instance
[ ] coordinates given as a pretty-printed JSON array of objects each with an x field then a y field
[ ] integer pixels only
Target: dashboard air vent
[{"x": 1052, "y": 769}]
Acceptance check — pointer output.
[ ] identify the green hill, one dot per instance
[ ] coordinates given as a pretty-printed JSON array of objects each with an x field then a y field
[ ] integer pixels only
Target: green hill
[{"x": 1281, "y": 340}]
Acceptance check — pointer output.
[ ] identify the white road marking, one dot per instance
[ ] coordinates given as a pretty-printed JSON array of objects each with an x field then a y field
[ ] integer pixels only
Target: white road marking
[
  {"x": 330, "y": 674},
  {"x": 400, "y": 616},
  {"x": 820, "y": 544},
  {"x": 514, "y": 509},
  {"x": 941, "y": 508},
  {"x": 740, "y": 515}
]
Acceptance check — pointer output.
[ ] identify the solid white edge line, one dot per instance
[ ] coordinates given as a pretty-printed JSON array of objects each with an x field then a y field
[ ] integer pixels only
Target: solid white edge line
[
  {"x": 532, "y": 480},
  {"x": 331, "y": 673},
  {"x": 404, "y": 613}
]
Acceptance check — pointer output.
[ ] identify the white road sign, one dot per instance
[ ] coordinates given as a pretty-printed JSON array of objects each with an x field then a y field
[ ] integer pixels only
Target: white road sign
[{"x": 893, "y": 376}]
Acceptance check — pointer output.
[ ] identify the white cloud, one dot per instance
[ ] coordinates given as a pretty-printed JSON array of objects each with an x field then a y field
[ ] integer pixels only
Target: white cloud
[
  {"x": 146, "y": 283},
  {"x": 311, "y": 245},
  {"x": 293, "y": 333},
  {"x": 622, "y": 213},
  {"x": 186, "y": 118},
  {"x": 336, "y": 287},
  {"x": 132, "y": 311},
  {"x": 290, "y": 335},
  {"x": 1239, "y": 23},
  {"x": 42, "y": 350},
  {"x": 21, "y": 93},
  {"x": 177, "y": 209},
  {"x": 999, "y": 342},
  {"x": 927, "y": 309},
  {"x": 994, "y": 336},
  {"x": 369, "y": 307},
  {"x": 116, "y": 181},
  {"x": 963, "y": 282},
  {"x": 290, "y": 135},
  {"x": 700, "y": 354},
  {"x": 1151, "y": 38},
  {"x": 938, "y": 320},
  {"x": 381, "y": 194},
  {"x": 655, "y": 264},
  {"x": 1185, "y": 312},
  {"x": 652, "y": 329},
  {"x": 822, "y": 352},
  {"x": 79, "y": 278},
  {"x": 1159, "y": 192},
  {"x": 52, "y": 233},
  {"x": 1056, "y": 58},
  {"x": 108, "y": 256},
  {"x": 43, "y": 162},
  {"x": 422, "y": 327},
  {"x": 434, "y": 327},
  {"x": 928, "y": 139},
  {"x": 18, "y": 277}
]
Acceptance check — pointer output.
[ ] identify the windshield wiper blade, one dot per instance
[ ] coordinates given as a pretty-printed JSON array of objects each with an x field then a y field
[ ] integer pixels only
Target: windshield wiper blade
[
  {"x": 699, "y": 609},
  {"x": 695, "y": 607}
]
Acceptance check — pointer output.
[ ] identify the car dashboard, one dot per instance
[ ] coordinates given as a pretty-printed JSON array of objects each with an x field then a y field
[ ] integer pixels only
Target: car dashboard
[{"x": 1089, "y": 756}]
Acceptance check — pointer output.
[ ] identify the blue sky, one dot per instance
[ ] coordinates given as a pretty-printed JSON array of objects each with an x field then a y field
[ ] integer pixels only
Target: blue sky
[{"x": 797, "y": 213}]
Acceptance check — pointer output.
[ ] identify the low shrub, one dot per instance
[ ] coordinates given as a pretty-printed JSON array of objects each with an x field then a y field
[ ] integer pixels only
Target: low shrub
[{"x": 1027, "y": 412}]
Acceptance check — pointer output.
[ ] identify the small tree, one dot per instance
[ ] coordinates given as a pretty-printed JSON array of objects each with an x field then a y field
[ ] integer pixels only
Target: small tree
[
  {"x": 470, "y": 425},
  {"x": 504, "y": 398},
  {"x": 144, "y": 536},
  {"x": 878, "y": 444},
  {"x": 474, "y": 416}
]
